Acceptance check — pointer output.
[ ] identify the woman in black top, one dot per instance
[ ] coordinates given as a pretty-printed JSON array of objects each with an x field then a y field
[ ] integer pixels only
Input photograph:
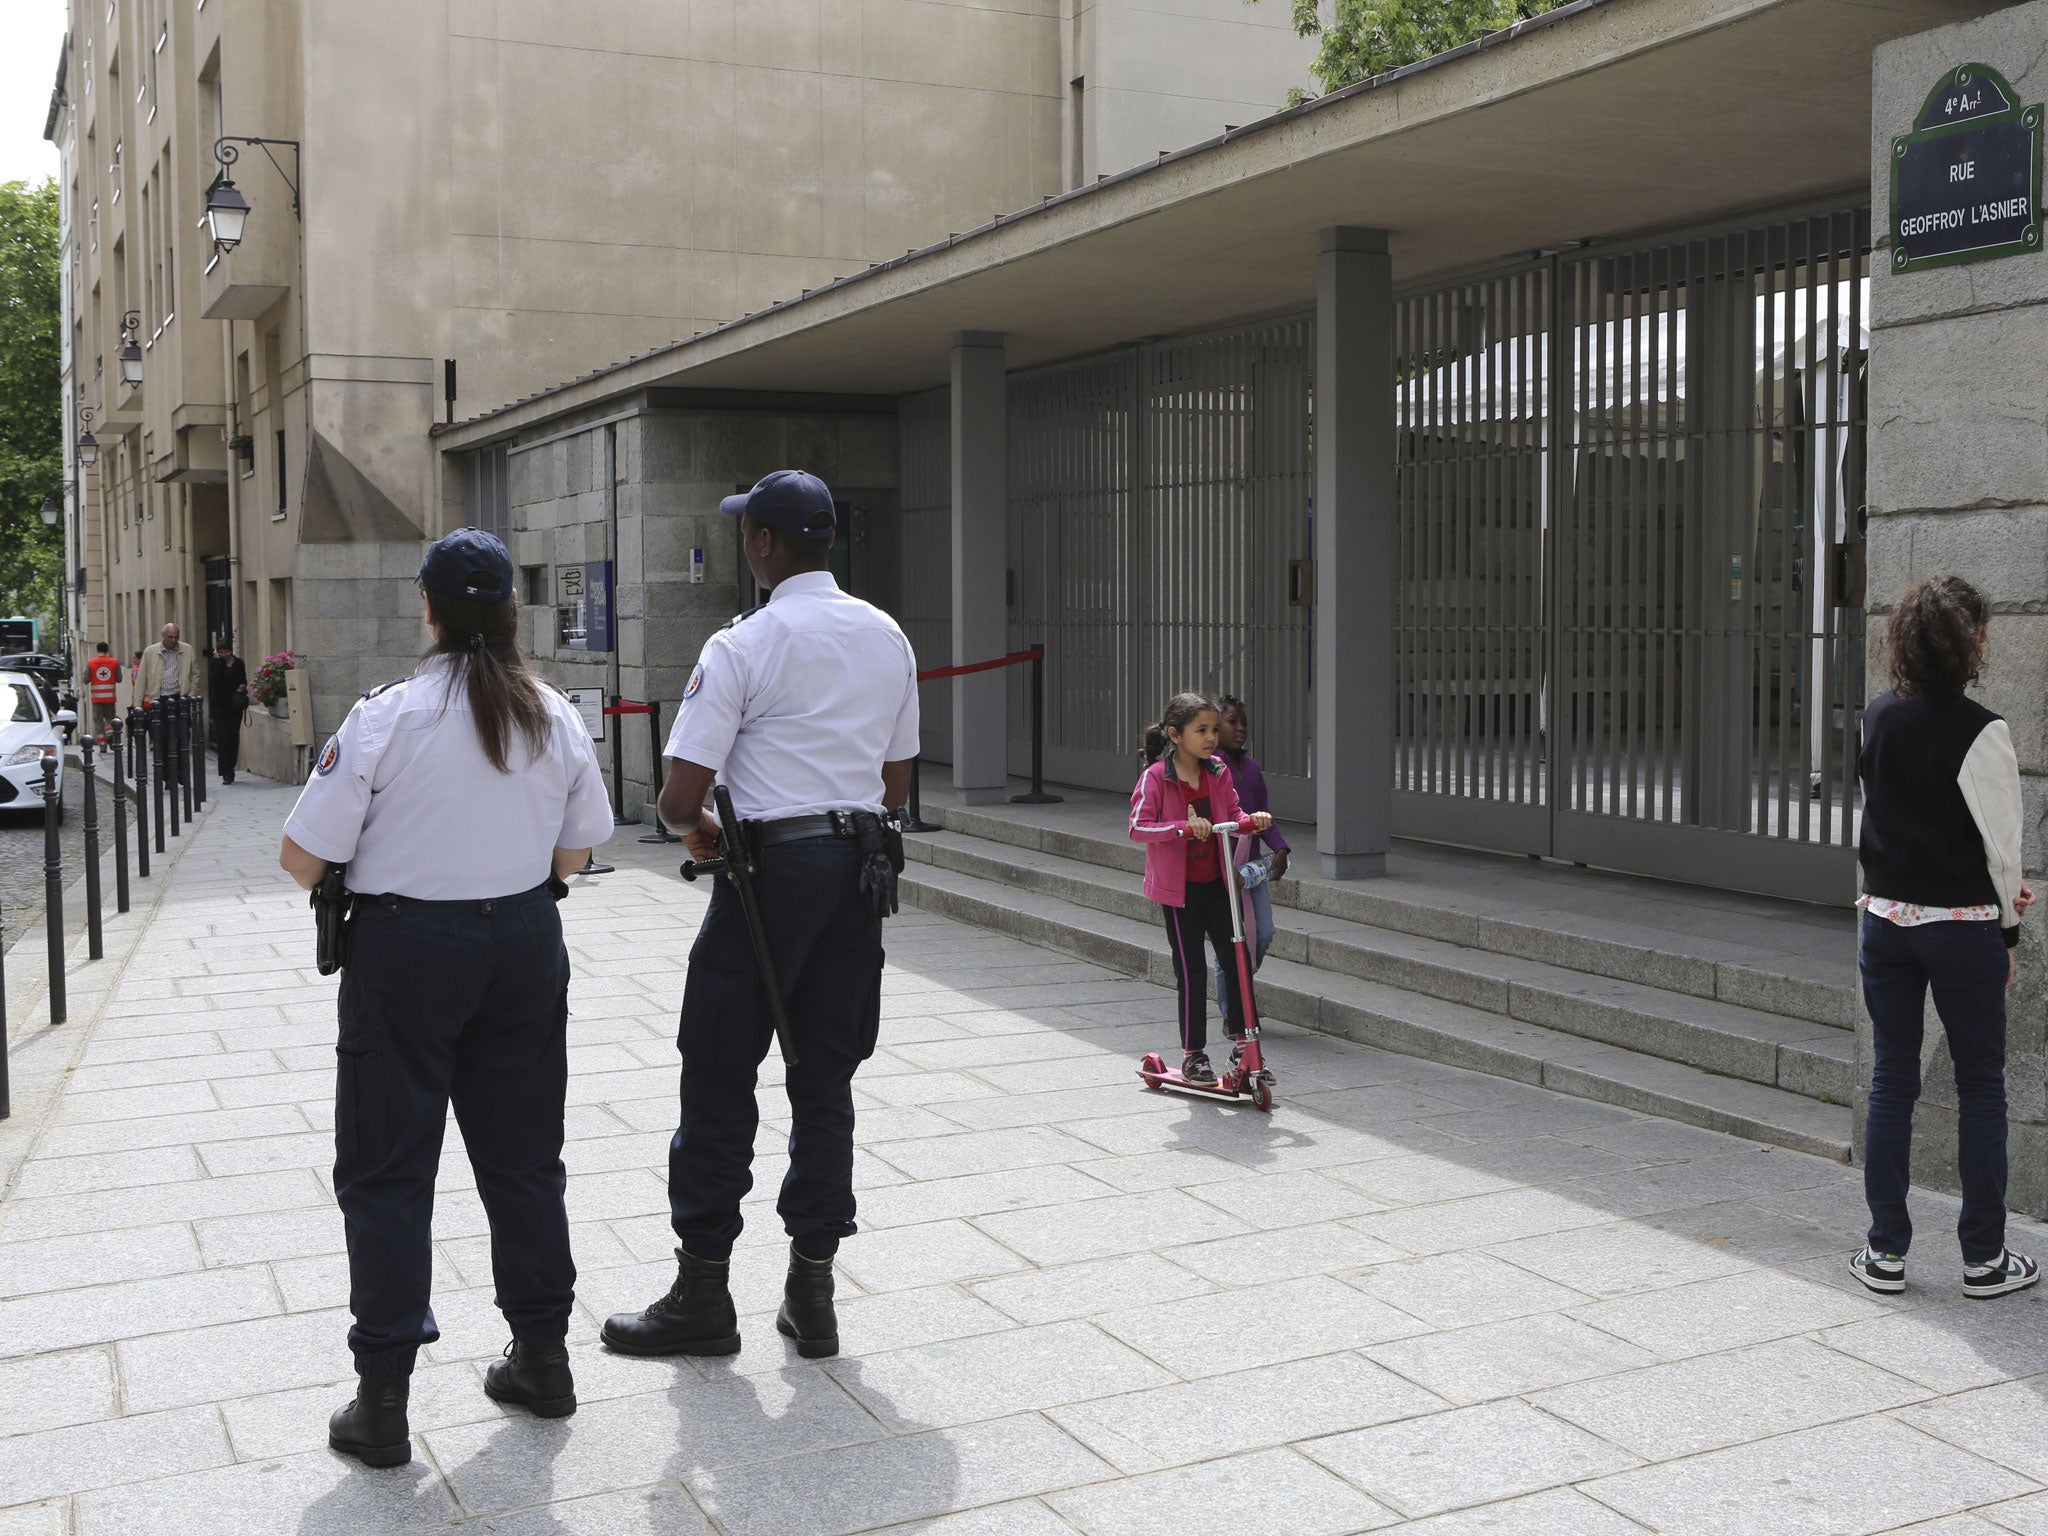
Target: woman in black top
[{"x": 1940, "y": 848}]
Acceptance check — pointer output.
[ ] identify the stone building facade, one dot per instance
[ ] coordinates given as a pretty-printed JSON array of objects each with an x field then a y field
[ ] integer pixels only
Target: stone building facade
[{"x": 526, "y": 192}]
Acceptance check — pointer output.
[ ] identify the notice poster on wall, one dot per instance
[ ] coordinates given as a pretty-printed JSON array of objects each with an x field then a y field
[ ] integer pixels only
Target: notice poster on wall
[
  {"x": 583, "y": 606},
  {"x": 589, "y": 704}
]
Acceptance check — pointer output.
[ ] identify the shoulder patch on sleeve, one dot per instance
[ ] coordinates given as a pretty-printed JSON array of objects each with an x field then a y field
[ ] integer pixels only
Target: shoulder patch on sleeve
[
  {"x": 696, "y": 681},
  {"x": 330, "y": 755}
]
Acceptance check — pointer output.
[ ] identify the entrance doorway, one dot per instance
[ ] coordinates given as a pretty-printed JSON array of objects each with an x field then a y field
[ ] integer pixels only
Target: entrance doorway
[{"x": 1629, "y": 603}]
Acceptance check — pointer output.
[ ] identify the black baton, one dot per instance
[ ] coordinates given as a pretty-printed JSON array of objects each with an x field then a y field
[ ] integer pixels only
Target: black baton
[{"x": 738, "y": 867}]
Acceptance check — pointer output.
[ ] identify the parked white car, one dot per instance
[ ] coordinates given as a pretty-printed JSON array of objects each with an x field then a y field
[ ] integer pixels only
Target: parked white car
[{"x": 28, "y": 734}]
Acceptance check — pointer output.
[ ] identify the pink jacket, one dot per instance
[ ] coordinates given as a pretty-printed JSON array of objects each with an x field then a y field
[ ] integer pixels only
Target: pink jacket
[{"x": 1159, "y": 820}]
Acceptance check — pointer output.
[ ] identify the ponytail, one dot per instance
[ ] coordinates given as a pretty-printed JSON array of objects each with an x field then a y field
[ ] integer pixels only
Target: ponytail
[
  {"x": 504, "y": 696},
  {"x": 1180, "y": 709}
]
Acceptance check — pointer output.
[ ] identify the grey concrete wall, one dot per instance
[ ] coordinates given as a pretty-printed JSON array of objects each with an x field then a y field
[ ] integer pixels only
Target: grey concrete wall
[
  {"x": 357, "y": 622},
  {"x": 1959, "y": 483},
  {"x": 672, "y": 468}
]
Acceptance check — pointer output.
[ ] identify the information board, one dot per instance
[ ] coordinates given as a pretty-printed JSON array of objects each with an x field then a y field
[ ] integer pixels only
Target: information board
[{"x": 589, "y": 704}]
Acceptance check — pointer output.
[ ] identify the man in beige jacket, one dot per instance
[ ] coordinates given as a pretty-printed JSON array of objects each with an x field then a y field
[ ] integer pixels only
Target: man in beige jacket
[{"x": 171, "y": 667}]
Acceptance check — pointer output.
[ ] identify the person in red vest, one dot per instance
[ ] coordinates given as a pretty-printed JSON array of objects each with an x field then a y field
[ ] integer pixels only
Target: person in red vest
[{"x": 102, "y": 672}]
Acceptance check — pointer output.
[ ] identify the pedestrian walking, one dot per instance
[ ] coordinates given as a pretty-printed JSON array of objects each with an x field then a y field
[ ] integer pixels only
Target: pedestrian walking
[
  {"x": 1943, "y": 897},
  {"x": 806, "y": 710},
  {"x": 1183, "y": 792},
  {"x": 170, "y": 667},
  {"x": 227, "y": 689},
  {"x": 102, "y": 678},
  {"x": 457, "y": 798}
]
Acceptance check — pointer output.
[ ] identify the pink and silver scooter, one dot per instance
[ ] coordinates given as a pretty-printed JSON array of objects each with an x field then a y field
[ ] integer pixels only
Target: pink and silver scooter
[{"x": 1247, "y": 1077}]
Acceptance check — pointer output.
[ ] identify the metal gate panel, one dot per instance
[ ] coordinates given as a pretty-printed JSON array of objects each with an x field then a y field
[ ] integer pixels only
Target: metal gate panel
[
  {"x": 1225, "y": 516},
  {"x": 1708, "y": 656},
  {"x": 924, "y": 435},
  {"x": 1071, "y": 562},
  {"x": 1159, "y": 499},
  {"x": 1628, "y": 626},
  {"x": 1469, "y": 623}
]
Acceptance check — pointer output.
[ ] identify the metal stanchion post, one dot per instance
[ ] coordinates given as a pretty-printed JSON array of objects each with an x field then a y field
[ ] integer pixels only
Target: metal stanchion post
[
  {"x": 618, "y": 735},
  {"x": 917, "y": 823},
  {"x": 1038, "y": 796},
  {"x": 139, "y": 739},
  {"x": 199, "y": 750},
  {"x": 156, "y": 778},
  {"x": 167, "y": 758},
  {"x": 660, "y": 834},
  {"x": 185, "y": 751},
  {"x": 53, "y": 890},
  {"x": 95, "y": 945},
  {"x": 120, "y": 822}
]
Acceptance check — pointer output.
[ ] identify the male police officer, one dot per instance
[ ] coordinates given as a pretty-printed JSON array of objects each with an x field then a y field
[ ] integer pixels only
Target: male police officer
[{"x": 807, "y": 710}]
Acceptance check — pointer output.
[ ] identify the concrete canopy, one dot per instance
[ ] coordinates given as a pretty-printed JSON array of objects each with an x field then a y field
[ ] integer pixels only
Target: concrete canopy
[{"x": 1603, "y": 119}]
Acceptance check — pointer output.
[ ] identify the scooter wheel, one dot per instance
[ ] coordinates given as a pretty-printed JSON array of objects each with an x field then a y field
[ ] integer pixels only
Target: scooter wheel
[{"x": 1262, "y": 1096}]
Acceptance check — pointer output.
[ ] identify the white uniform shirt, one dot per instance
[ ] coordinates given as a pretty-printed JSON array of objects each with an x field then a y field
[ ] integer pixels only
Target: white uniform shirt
[
  {"x": 404, "y": 795},
  {"x": 797, "y": 705}
]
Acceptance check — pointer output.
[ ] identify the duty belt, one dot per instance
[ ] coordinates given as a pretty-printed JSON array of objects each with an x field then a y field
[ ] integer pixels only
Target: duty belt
[{"x": 791, "y": 829}]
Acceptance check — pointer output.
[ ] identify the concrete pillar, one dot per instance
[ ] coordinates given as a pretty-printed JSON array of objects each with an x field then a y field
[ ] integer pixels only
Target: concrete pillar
[
  {"x": 981, "y": 513},
  {"x": 1354, "y": 553}
]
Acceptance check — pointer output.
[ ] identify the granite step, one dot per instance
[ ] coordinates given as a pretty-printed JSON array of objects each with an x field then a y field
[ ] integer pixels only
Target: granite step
[
  {"x": 1603, "y": 943},
  {"x": 1799, "y": 1055},
  {"x": 1395, "y": 1019}
]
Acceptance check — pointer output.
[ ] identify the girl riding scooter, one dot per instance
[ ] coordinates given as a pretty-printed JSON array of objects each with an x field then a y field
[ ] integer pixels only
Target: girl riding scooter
[{"x": 1178, "y": 798}]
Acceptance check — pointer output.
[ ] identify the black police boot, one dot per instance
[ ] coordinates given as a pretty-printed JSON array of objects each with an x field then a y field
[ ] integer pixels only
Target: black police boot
[
  {"x": 535, "y": 1377},
  {"x": 807, "y": 1314},
  {"x": 694, "y": 1318},
  {"x": 372, "y": 1427}
]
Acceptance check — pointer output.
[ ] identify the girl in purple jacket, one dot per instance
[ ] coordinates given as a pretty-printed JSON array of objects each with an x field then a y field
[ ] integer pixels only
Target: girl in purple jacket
[{"x": 1179, "y": 798}]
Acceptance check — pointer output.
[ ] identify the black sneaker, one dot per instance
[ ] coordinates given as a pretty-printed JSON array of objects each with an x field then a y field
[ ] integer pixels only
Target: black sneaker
[
  {"x": 2008, "y": 1272},
  {"x": 1880, "y": 1271},
  {"x": 1195, "y": 1068}
]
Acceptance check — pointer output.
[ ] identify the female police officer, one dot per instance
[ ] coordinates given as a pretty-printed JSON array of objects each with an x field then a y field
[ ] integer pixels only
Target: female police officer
[{"x": 453, "y": 796}]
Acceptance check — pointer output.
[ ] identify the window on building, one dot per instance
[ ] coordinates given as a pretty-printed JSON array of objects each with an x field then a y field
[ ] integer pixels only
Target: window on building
[
  {"x": 284, "y": 493},
  {"x": 533, "y": 585},
  {"x": 489, "y": 500}
]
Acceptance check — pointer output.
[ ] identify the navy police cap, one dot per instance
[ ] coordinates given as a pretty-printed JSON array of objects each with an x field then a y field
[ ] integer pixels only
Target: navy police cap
[
  {"x": 787, "y": 501},
  {"x": 468, "y": 563}
]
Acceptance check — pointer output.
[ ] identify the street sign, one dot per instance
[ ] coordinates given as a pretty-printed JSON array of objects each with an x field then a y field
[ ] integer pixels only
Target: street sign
[{"x": 1966, "y": 182}]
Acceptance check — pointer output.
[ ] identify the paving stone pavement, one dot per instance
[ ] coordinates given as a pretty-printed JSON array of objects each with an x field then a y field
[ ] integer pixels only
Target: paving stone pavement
[{"x": 1413, "y": 1298}]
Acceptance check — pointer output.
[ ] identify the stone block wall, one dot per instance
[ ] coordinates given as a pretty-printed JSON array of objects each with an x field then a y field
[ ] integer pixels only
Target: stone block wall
[
  {"x": 1958, "y": 482},
  {"x": 669, "y": 470},
  {"x": 356, "y": 621}
]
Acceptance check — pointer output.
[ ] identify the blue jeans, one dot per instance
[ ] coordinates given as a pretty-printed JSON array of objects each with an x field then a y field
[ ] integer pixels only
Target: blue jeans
[
  {"x": 1262, "y": 920},
  {"x": 1965, "y": 964}
]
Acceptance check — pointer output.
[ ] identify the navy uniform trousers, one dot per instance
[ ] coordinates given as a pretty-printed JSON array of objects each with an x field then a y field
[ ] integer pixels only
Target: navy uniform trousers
[
  {"x": 465, "y": 1001},
  {"x": 828, "y": 952}
]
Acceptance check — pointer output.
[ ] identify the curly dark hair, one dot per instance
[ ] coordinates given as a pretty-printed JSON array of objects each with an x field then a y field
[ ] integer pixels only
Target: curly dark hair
[{"x": 1934, "y": 641}]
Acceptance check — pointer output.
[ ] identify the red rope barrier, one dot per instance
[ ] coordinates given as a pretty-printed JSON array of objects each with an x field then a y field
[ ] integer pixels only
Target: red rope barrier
[
  {"x": 628, "y": 707},
  {"x": 1011, "y": 660}
]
